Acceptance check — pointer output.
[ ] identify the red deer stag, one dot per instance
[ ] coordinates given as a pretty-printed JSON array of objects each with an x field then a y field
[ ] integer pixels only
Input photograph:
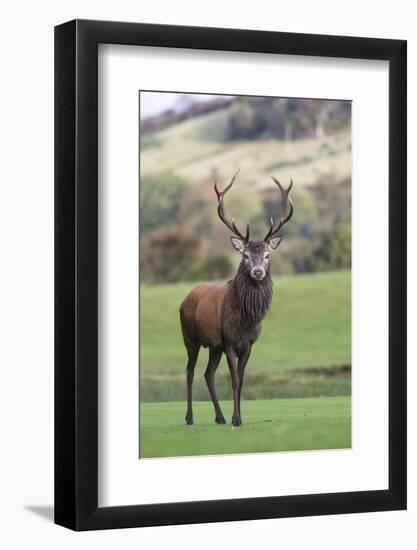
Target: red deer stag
[{"x": 227, "y": 318}]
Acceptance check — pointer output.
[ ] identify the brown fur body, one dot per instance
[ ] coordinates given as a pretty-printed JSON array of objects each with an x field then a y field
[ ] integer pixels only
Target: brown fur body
[{"x": 201, "y": 314}]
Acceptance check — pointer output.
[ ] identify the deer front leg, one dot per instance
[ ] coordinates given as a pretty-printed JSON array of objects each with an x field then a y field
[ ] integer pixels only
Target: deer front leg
[
  {"x": 232, "y": 362},
  {"x": 242, "y": 361}
]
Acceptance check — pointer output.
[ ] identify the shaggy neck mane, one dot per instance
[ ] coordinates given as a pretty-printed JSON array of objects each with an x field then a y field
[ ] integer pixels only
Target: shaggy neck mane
[{"x": 250, "y": 298}]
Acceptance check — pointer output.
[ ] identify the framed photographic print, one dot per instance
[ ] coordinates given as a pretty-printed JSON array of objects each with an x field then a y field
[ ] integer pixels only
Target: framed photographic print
[{"x": 230, "y": 252}]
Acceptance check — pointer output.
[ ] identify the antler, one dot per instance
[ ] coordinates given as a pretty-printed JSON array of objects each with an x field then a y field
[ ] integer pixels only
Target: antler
[
  {"x": 220, "y": 210},
  {"x": 283, "y": 219}
]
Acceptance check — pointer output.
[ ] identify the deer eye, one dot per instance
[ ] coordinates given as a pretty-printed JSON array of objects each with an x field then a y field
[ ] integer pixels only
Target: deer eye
[
  {"x": 246, "y": 256},
  {"x": 266, "y": 256}
]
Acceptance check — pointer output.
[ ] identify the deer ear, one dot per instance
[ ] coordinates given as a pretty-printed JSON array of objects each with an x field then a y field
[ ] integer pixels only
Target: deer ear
[
  {"x": 274, "y": 243},
  {"x": 238, "y": 244}
]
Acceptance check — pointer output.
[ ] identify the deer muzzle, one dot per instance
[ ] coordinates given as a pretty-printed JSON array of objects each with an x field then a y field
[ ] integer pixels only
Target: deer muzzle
[{"x": 257, "y": 273}]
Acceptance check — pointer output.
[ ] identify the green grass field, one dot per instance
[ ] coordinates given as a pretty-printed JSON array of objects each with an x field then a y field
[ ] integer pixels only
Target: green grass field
[
  {"x": 268, "y": 425},
  {"x": 304, "y": 349}
]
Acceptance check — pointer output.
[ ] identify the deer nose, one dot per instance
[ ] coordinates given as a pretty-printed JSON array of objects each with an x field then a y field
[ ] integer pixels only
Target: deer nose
[{"x": 258, "y": 273}]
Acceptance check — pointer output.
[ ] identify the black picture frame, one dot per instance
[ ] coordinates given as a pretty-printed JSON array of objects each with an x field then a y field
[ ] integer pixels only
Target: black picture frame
[{"x": 76, "y": 273}]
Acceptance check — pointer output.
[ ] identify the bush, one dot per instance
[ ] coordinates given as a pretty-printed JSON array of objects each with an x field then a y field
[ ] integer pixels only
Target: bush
[
  {"x": 219, "y": 266},
  {"x": 171, "y": 254},
  {"x": 335, "y": 249},
  {"x": 160, "y": 200}
]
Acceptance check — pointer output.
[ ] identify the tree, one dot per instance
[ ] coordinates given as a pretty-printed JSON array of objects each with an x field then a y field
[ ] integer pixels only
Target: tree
[{"x": 242, "y": 121}]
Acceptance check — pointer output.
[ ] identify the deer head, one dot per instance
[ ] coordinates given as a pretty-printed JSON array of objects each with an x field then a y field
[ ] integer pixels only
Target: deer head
[{"x": 255, "y": 254}]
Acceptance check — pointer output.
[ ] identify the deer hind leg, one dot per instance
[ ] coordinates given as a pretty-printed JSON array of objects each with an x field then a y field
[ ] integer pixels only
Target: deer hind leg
[
  {"x": 192, "y": 350},
  {"x": 215, "y": 355}
]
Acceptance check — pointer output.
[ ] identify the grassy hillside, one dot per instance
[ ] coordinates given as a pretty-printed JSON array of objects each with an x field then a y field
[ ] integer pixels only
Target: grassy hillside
[
  {"x": 268, "y": 425},
  {"x": 304, "y": 348},
  {"x": 193, "y": 150}
]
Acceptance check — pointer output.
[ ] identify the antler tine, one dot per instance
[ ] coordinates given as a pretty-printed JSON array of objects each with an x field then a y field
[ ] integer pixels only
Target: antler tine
[
  {"x": 267, "y": 236},
  {"x": 283, "y": 219},
  {"x": 222, "y": 215},
  {"x": 220, "y": 194}
]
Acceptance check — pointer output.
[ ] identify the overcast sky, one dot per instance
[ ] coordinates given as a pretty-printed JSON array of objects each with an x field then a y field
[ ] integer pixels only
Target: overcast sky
[{"x": 154, "y": 103}]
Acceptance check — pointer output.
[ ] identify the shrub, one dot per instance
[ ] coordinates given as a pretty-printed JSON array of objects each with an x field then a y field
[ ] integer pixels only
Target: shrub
[
  {"x": 219, "y": 266},
  {"x": 171, "y": 254},
  {"x": 335, "y": 249},
  {"x": 160, "y": 201}
]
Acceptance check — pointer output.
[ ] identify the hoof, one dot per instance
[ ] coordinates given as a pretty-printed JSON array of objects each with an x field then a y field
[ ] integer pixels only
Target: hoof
[
  {"x": 189, "y": 420},
  {"x": 236, "y": 421},
  {"x": 220, "y": 420}
]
